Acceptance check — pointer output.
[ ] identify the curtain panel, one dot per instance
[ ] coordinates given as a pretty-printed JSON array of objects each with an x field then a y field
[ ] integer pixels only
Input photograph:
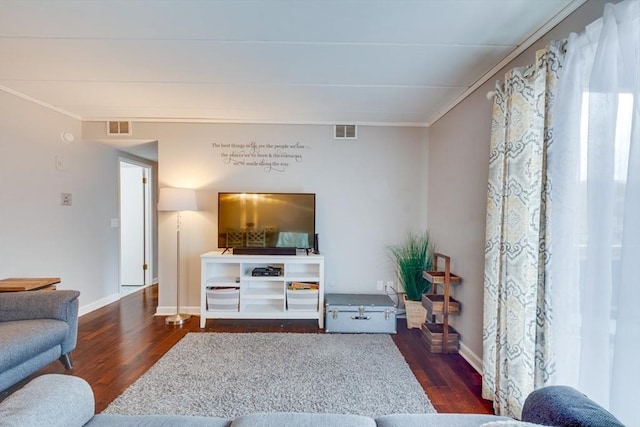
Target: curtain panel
[
  {"x": 516, "y": 300},
  {"x": 594, "y": 169}
]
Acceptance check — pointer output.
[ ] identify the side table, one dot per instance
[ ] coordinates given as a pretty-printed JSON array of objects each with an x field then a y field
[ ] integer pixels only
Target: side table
[{"x": 28, "y": 284}]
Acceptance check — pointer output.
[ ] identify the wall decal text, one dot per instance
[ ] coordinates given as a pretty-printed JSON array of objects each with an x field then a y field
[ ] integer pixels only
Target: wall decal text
[{"x": 269, "y": 157}]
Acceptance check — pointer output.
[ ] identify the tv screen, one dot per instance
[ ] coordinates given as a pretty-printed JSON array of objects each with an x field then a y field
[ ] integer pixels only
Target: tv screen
[{"x": 286, "y": 220}]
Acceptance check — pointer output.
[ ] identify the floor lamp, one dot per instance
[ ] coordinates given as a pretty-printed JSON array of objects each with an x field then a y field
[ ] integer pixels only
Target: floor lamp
[{"x": 177, "y": 200}]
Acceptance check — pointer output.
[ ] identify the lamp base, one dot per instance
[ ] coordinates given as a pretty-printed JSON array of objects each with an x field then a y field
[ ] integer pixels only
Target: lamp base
[{"x": 177, "y": 319}]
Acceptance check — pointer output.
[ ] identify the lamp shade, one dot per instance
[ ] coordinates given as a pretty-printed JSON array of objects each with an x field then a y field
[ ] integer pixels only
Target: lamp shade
[{"x": 177, "y": 199}]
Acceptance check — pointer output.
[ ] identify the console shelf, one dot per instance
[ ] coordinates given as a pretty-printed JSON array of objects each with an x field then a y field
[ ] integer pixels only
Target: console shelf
[{"x": 262, "y": 297}]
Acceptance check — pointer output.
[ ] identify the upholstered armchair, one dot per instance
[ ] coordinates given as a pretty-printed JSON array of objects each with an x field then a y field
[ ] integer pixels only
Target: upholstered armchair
[{"x": 36, "y": 328}]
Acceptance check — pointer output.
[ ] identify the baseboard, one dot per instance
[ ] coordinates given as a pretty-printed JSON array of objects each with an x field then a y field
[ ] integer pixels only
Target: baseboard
[
  {"x": 125, "y": 291},
  {"x": 88, "y": 308},
  {"x": 171, "y": 309},
  {"x": 471, "y": 358}
]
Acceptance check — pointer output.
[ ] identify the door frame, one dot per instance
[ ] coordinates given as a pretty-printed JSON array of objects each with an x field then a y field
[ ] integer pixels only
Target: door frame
[{"x": 149, "y": 229}]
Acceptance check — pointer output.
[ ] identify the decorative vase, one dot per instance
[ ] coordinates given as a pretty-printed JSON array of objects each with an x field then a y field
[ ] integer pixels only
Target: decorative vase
[{"x": 416, "y": 313}]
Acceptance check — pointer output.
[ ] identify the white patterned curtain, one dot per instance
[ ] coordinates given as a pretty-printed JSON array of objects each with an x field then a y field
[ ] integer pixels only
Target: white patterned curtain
[
  {"x": 594, "y": 171},
  {"x": 515, "y": 356}
]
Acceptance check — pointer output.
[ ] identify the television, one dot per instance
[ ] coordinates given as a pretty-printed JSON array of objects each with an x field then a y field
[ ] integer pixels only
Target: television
[{"x": 266, "y": 220}]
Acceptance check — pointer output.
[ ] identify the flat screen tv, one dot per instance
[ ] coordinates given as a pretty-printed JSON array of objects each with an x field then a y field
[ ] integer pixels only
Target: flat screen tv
[{"x": 269, "y": 220}]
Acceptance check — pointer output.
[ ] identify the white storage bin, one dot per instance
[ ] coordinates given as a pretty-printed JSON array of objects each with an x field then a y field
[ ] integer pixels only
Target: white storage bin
[
  {"x": 302, "y": 299},
  {"x": 227, "y": 299}
]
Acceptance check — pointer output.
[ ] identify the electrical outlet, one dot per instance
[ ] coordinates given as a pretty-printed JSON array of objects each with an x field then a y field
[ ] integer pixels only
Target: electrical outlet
[
  {"x": 379, "y": 285},
  {"x": 65, "y": 199}
]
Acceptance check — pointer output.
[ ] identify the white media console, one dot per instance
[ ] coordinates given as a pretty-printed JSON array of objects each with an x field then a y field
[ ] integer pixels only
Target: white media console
[{"x": 230, "y": 291}]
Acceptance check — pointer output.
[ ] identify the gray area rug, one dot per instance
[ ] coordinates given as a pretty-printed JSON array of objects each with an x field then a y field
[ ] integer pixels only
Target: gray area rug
[{"x": 226, "y": 375}]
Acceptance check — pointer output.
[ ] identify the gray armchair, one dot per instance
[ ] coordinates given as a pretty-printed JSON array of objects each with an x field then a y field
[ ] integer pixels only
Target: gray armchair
[{"x": 36, "y": 328}]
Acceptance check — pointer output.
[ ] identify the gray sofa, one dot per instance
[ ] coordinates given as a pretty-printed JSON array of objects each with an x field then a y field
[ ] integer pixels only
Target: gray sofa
[
  {"x": 66, "y": 401},
  {"x": 36, "y": 328}
]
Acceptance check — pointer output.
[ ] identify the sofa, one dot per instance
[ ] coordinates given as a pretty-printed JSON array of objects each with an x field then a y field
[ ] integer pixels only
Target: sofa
[
  {"x": 36, "y": 328},
  {"x": 62, "y": 400}
]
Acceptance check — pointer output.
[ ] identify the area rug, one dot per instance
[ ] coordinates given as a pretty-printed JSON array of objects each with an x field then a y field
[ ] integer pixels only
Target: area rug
[{"x": 227, "y": 375}]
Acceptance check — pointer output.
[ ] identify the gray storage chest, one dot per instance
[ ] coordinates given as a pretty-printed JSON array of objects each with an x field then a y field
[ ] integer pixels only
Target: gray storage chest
[{"x": 359, "y": 313}]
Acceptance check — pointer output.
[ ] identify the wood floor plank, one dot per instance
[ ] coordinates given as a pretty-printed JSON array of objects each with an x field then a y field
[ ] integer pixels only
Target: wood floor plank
[{"x": 120, "y": 342}]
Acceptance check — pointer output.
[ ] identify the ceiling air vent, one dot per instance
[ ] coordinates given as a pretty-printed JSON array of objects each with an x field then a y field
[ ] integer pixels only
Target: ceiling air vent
[
  {"x": 118, "y": 128},
  {"x": 345, "y": 132}
]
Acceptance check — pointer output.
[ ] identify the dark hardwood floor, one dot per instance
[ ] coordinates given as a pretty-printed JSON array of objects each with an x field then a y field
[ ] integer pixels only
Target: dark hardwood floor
[{"x": 119, "y": 342}]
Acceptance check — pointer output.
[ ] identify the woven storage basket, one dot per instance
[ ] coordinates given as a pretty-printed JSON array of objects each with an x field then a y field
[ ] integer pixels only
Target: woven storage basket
[
  {"x": 416, "y": 313},
  {"x": 302, "y": 300}
]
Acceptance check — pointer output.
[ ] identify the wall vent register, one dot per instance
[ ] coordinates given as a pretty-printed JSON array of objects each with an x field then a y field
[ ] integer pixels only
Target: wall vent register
[
  {"x": 119, "y": 128},
  {"x": 345, "y": 132}
]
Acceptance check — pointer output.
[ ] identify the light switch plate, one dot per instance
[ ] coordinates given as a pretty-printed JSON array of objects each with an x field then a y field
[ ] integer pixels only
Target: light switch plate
[{"x": 60, "y": 164}]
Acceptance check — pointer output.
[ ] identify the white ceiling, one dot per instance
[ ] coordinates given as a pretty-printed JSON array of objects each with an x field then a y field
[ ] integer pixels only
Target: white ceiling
[{"x": 271, "y": 61}]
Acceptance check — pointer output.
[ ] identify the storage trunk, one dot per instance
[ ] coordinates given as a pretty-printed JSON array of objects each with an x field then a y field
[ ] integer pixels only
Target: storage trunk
[{"x": 358, "y": 313}]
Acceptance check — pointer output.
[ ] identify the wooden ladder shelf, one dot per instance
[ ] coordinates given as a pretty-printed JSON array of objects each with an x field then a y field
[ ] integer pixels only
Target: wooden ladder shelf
[{"x": 439, "y": 336}]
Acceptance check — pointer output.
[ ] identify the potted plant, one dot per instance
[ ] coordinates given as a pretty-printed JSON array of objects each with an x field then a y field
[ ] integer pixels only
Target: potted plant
[{"x": 411, "y": 257}]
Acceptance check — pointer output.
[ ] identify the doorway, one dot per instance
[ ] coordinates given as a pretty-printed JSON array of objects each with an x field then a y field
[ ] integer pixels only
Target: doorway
[{"x": 135, "y": 225}]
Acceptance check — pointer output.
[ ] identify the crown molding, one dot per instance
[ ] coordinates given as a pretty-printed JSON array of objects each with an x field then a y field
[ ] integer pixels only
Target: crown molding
[{"x": 548, "y": 26}]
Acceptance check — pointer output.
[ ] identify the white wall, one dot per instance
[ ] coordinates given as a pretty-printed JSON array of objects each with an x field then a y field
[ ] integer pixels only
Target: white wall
[
  {"x": 370, "y": 192},
  {"x": 38, "y": 236},
  {"x": 458, "y": 174}
]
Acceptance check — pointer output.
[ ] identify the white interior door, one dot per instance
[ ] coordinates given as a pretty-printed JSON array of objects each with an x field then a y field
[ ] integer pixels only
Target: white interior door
[{"x": 135, "y": 227}]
